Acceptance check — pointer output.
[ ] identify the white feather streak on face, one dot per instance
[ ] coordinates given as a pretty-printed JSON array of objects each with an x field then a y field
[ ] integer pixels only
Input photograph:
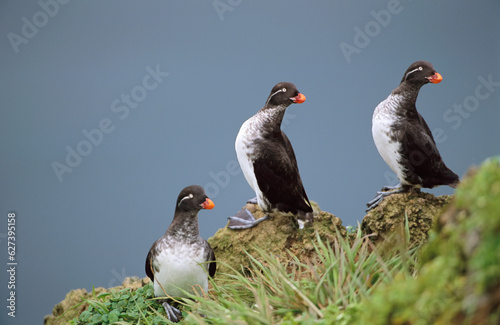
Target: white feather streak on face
[
  {"x": 190, "y": 196},
  {"x": 278, "y": 91},
  {"x": 416, "y": 69}
]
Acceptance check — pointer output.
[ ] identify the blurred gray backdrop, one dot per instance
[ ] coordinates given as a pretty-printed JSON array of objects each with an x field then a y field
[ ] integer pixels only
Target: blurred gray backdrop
[{"x": 110, "y": 108}]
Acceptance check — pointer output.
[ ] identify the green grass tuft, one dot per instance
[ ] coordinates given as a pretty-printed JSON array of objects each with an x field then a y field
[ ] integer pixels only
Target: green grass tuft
[
  {"x": 326, "y": 289},
  {"x": 454, "y": 279},
  {"x": 459, "y": 270}
]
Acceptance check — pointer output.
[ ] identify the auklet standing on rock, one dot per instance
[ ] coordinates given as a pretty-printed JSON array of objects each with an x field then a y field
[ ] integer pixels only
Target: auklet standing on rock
[
  {"x": 181, "y": 259},
  {"x": 405, "y": 141},
  {"x": 268, "y": 162}
]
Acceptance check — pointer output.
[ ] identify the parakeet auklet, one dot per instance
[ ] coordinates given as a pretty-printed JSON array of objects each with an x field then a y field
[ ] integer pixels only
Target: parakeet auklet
[
  {"x": 404, "y": 140},
  {"x": 268, "y": 162},
  {"x": 181, "y": 259}
]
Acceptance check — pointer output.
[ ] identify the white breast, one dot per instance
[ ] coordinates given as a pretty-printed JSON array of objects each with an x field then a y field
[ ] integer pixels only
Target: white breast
[
  {"x": 182, "y": 267},
  {"x": 245, "y": 151},
  {"x": 382, "y": 121}
]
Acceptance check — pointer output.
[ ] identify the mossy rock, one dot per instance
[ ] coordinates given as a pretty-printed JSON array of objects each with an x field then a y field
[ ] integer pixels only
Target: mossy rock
[
  {"x": 386, "y": 222},
  {"x": 458, "y": 278},
  {"x": 72, "y": 305},
  {"x": 279, "y": 234}
]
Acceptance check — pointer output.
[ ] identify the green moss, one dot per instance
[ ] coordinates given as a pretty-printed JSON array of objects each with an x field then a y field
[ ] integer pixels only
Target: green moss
[
  {"x": 458, "y": 281},
  {"x": 279, "y": 235},
  {"x": 386, "y": 222}
]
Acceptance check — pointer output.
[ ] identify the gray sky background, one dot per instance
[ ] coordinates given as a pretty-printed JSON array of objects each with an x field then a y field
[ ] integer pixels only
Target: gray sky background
[{"x": 170, "y": 84}]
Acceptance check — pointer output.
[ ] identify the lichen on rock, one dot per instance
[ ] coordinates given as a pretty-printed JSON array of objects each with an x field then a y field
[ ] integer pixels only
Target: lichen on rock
[
  {"x": 278, "y": 235},
  {"x": 387, "y": 221}
]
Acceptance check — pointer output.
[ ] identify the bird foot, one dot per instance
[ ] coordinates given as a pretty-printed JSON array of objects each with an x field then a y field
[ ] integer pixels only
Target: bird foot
[
  {"x": 386, "y": 191},
  {"x": 244, "y": 219},
  {"x": 376, "y": 201},
  {"x": 173, "y": 314},
  {"x": 390, "y": 188},
  {"x": 253, "y": 201}
]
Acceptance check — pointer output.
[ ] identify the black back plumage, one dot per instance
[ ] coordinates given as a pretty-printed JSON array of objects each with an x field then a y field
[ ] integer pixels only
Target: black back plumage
[
  {"x": 276, "y": 166},
  {"x": 279, "y": 178},
  {"x": 419, "y": 154}
]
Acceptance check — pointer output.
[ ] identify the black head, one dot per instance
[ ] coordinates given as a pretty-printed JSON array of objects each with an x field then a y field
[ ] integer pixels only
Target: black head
[
  {"x": 284, "y": 94},
  {"x": 193, "y": 199},
  {"x": 420, "y": 73}
]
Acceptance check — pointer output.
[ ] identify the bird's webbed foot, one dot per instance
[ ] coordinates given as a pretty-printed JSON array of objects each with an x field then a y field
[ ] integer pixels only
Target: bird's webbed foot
[
  {"x": 253, "y": 200},
  {"x": 390, "y": 188},
  {"x": 173, "y": 314},
  {"x": 244, "y": 219},
  {"x": 386, "y": 191}
]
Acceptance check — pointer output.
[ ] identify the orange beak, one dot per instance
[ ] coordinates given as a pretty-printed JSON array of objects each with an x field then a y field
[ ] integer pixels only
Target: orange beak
[
  {"x": 208, "y": 204},
  {"x": 299, "y": 99},
  {"x": 435, "y": 78}
]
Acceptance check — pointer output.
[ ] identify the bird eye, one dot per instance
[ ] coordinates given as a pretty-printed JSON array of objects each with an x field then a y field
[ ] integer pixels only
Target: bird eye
[
  {"x": 283, "y": 90},
  {"x": 420, "y": 68}
]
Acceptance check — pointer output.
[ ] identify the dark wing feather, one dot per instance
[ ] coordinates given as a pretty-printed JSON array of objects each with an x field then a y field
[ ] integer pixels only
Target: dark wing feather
[
  {"x": 149, "y": 265},
  {"x": 420, "y": 154},
  {"x": 212, "y": 265},
  {"x": 278, "y": 175},
  {"x": 149, "y": 260},
  {"x": 425, "y": 128}
]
